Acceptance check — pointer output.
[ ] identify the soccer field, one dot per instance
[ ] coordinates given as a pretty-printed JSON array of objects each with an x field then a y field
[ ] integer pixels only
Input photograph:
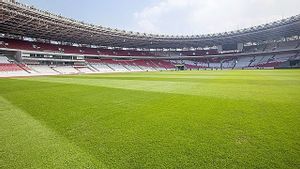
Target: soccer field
[{"x": 191, "y": 119}]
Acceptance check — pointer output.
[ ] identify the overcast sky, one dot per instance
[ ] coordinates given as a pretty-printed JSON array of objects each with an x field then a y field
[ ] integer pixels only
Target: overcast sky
[{"x": 178, "y": 17}]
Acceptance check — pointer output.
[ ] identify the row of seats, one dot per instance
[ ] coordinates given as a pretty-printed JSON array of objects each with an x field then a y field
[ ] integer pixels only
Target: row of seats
[
  {"x": 130, "y": 65},
  {"x": 238, "y": 63},
  {"x": 46, "y": 47},
  {"x": 65, "y": 69},
  {"x": 43, "y": 69},
  {"x": 273, "y": 46},
  {"x": 9, "y": 67},
  {"x": 263, "y": 61},
  {"x": 55, "y": 48}
]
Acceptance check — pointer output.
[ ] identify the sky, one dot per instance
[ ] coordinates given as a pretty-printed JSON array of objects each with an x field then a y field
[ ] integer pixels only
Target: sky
[{"x": 173, "y": 17}]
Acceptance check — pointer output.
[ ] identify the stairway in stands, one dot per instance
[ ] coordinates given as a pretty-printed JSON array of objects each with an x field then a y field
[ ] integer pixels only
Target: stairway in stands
[{"x": 56, "y": 70}]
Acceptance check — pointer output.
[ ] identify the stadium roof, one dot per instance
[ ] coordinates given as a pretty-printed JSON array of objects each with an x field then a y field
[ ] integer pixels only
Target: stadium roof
[{"x": 23, "y": 20}]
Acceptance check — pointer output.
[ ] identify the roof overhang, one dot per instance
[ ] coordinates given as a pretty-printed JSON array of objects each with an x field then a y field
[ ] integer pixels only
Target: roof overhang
[{"x": 22, "y": 20}]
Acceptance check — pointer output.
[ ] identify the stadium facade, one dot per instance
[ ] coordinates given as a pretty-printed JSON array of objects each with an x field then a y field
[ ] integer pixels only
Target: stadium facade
[{"x": 37, "y": 42}]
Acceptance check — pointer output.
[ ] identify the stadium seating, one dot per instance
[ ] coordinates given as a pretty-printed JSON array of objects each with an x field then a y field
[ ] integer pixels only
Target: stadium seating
[
  {"x": 164, "y": 64},
  {"x": 84, "y": 70},
  {"x": 288, "y": 45},
  {"x": 65, "y": 69},
  {"x": 259, "y": 59},
  {"x": 243, "y": 62},
  {"x": 46, "y": 47},
  {"x": 4, "y": 59},
  {"x": 102, "y": 67},
  {"x": 36, "y": 46},
  {"x": 9, "y": 67},
  {"x": 107, "y": 65},
  {"x": 43, "y": 69}
]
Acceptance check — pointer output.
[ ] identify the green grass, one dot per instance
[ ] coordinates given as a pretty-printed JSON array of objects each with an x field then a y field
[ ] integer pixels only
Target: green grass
[{"x": 193, "y": 119}]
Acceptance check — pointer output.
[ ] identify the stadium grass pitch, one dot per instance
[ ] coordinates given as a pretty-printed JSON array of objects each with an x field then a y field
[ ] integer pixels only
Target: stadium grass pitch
[{"x": 191, "y": 119}]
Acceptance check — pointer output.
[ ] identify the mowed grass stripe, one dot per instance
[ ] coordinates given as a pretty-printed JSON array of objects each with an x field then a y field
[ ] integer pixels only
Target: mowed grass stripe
[
  {"x": 252, "y": 91},
  {"x": 27, "y": 143},
  {"x": 288, "y": 81},
  {"x": 281, "y": 75}
]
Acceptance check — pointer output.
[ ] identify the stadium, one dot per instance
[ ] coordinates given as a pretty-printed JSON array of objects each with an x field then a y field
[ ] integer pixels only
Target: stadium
[{"x": 80, "y": 95}]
